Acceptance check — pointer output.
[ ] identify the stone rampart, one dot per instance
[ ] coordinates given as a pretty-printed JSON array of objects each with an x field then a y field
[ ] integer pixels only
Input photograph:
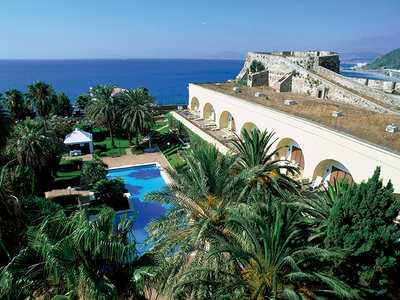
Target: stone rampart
[
  {"x": 305, "y": 82},
  {"x": 258, "y": 78},
  {"x": 381, "y": 85},
  {"x": 392, "y": 100},
  {"x": 284, "y": 84}
]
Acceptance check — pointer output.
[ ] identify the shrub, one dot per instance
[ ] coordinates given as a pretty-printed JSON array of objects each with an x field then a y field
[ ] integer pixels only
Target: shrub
[
  {"x": 37, "y": 208},
  {"x": 361, "y": 223},
  {"x": 95, "y": 170},
  {"x": 111, "y": 192},
  {"x": 97, "y": 152},
  {"x": 256, "y": 66}
]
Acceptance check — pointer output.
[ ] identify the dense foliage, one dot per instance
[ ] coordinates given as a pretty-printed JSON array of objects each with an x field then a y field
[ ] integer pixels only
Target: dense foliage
[
  {"x": 111, "y": 192},
  {"x": 69, "y": 255},
  {"x": 361, "y": 222},
  {"x": 95, "y": 170},
  {"x": 218, "y": 212},
  {"x": 82, "y": 100},
  {"x": 256, "y": 66},
  {"x": 61, "y": 105}
]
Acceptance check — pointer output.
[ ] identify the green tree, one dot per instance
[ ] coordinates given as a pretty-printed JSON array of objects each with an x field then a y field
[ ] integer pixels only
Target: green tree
[
  {"x": 41, "y": 93},
  {"x": 256, "y": 66},
  {"x": 361, "y": 223},
  {"x": 111, "y": 192},
  {"x": 257, "y": 149},
  {"x": 5, "y": 125},
  {"x": 32, "y": 146},
  {"x": 104, "y": 106},
  {"x": 35, "y": 209},
  {"x": 268, "y": 258},
  {"x": 70, "y": 255},
  {"x": 197, "y": 201},
  {"x": 138, "y": 114},
  {"x": 17, "y": 105},
  {"x": 61, "y": 105},
  {"x": 82, "y": 100},
  {"x": 95, "y": 170}
]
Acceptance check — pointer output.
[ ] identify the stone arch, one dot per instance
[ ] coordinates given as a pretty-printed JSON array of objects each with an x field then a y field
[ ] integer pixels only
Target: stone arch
[
  {"x": 226, "y": 120},
  {"x": 291, "y": 151},
  {"x": 329, "y": 169},
  {"x": 194, "y": 104},
  {"x": 249, "y": 127},
  {"x": 209, "y": 112}
]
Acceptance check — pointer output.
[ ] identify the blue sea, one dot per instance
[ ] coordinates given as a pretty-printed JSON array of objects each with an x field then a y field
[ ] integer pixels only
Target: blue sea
[{"x": 166, "y": 79}]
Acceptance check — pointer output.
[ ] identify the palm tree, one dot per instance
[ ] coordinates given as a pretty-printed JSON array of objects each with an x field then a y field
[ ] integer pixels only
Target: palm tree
[
  {"x": 16, "y": 104},
  {"x": 268, "y": 258},
  {"x": 318, "y": 208},
  {"x": 104, "y": 106},
  {"x": 70, "y": 255},
  {"x": 41, "y": 93},
  {"x": 197, "y": 201},
  {"x": 32, "y": 146},
  {"x": 14, "y": 182},
  {"x": 256, "y": 149},
  {"x": 138, "y": 115},
  {"x": 5, "y": 125}
]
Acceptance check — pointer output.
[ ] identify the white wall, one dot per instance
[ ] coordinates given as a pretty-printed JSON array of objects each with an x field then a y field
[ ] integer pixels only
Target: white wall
[{"x": 318, "y": 143}]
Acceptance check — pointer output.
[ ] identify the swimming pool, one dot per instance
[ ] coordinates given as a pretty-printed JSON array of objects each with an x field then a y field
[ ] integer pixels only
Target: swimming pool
[{"x": 138, "y": 181}]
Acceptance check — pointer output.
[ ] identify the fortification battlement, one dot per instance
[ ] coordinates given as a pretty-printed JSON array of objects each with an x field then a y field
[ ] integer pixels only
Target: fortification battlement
[
  {"x": 315, "y": 73},
  {"x": 302, "y": 53},
  {"x": 309, "y": 60}
]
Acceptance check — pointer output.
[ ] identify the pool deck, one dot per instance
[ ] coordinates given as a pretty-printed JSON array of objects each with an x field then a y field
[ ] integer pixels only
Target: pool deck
[{"x": 114, "y": 162}]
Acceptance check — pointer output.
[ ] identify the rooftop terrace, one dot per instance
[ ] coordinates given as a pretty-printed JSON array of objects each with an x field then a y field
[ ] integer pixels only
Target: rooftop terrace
[{"x": 361, "y": 123}]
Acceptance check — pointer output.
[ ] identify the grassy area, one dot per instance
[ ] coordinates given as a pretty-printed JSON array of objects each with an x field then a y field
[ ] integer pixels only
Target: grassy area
[
  {"x": 175, "y": 161},
  {"x": 107, "y": 150},
  {"x": 159, "y": 124},
  {"x": 68, "y": 173}
]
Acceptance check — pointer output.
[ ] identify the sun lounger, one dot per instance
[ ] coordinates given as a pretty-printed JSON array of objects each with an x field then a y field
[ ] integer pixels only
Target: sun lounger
[{"x": 316, "y": 183}]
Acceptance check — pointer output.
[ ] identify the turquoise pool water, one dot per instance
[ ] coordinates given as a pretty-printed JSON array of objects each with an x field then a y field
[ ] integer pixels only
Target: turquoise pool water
[{"x": 138, "y": 181}]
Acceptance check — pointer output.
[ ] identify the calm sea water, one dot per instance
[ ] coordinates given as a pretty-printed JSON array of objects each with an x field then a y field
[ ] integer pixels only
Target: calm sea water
[{"x": 167, "y": 79}]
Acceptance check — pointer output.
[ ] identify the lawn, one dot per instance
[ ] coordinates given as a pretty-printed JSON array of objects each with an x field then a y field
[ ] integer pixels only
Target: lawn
[
  {"x": 175, "y": 161},
  {"x": 68, "y": 173},
  {"x": 105, "y": 146}
]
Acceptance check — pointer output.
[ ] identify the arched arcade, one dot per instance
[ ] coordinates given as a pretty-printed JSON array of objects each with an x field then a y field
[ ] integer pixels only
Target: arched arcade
[
  {"x": 226, "y": 120},
  {"x": 330, "y": 169},
  {"x": 291, "y": 151},
  {"x": 209, "y": 112}
]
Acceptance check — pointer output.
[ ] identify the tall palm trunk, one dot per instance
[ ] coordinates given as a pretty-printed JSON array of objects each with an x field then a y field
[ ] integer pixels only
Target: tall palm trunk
[
  {"x": 111, "y": 134},
  {"x": 137, "y": 135},
  {"x": 45, "y": 123}
]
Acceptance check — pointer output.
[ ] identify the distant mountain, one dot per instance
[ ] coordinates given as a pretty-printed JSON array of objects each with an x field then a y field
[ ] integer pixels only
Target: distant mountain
[
  {"x": 390, "y": 60},
  {"x": 357, "y": 57},
  {"x": 227, "y": 55}
]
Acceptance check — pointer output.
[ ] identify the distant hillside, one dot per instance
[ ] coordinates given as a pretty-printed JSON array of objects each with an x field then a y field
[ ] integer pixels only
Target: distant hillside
[
  {"x": 357, "y": 57},
  {"x": 390, "y": 60}
]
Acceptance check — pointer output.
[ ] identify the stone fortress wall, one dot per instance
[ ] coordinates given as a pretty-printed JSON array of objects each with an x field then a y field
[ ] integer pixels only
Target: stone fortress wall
[
  {"x": 381, "y": 85},
  {"x": 315, "y": 73}
]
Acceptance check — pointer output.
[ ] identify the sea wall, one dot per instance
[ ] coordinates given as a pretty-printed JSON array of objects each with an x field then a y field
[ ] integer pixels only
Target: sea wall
[{"x": 305, "y": 82}]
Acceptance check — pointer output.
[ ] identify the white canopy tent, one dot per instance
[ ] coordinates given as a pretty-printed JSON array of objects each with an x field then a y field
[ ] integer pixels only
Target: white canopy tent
[{"x": 79, "y": 137}]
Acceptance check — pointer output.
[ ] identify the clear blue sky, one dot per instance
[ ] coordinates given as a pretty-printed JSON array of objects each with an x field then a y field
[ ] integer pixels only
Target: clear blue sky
[{"x": 193, "y": 28}]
